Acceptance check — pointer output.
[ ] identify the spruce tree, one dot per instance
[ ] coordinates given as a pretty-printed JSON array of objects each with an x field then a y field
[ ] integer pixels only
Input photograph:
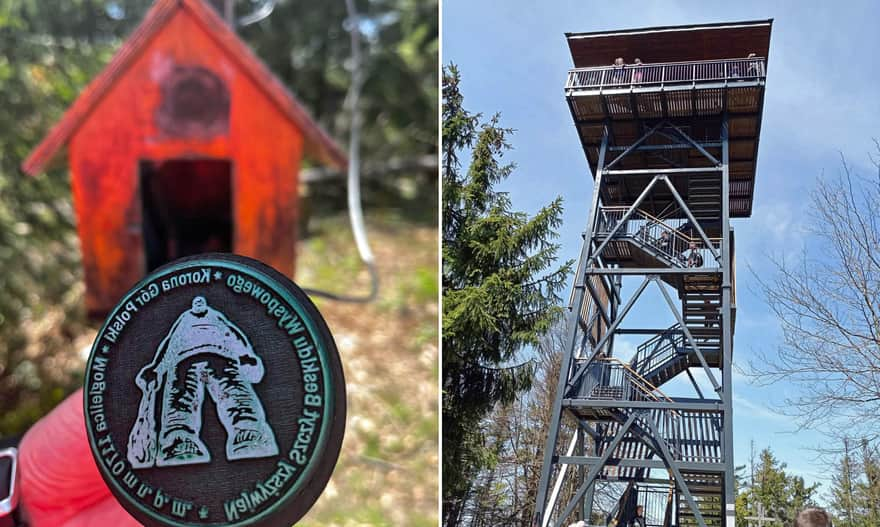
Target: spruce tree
[
  {"x": 870, "y": 488},
  {"x": 855, "y": 485},
  {"x": 782, "y": 495},
  {"x": 843, "y": 490},
  {"x": 501, "y": 289}
]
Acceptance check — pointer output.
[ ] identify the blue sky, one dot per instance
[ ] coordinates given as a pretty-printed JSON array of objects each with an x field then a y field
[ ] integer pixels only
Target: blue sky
[{"x": 822, "y": 99}]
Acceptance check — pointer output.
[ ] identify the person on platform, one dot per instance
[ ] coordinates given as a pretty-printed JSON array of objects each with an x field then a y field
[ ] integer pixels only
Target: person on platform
[
  {"x": 754, "y": 66},
  {"x": 617, "y": 76},
  {"x": 638, "y": 71},
  {"x": 694, "y": 259},
  {"x": 664, "y": 241},
  {"x": 639, "y": 519}
]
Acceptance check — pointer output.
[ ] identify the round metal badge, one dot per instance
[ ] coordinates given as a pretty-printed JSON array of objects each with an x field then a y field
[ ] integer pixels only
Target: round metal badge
[{"x": 214, "y": 395}]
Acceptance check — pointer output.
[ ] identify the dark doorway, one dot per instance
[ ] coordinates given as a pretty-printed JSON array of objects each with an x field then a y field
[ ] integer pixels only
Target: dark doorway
[{"x": 187, "y": 208}]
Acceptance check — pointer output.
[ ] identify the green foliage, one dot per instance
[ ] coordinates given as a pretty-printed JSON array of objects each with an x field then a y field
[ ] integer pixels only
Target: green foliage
[
  {"x": 307, "y": 45},
  {"x": 49, "y": 51},
  {"x": 783, "y": 495},
  {"x": 500, "y": 289},
  {"x": 506, "y": 492},
  {"x": 855, "y": 486}
]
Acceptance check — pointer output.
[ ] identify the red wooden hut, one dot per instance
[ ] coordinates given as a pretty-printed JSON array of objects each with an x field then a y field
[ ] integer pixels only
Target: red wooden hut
[{"x": 185, "y": 143}]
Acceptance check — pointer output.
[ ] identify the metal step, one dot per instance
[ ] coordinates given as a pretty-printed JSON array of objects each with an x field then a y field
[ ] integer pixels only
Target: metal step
[
  {"x": 704, "y": 197},
  {"x": 706, "y": 491},
  {"x": 684, "y": 359}
]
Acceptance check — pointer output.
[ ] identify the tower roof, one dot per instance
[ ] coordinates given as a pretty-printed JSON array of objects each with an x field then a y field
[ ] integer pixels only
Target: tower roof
[
  {"x": 318, "y": 143},
  {"x": 671, "y": 43}
]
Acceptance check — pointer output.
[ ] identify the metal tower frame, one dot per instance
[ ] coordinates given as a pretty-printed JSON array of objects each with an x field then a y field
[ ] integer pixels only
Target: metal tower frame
[{"x": 614, "y": 402}]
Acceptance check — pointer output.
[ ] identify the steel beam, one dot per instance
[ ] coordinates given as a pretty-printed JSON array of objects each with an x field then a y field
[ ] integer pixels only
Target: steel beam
[
  {"x": 587, "y": 325},
  {"x": 587, "y": 502},
  {"x": 605, "y": 281},
  {"x": 651, "y": 148},
  {"x": 676, "y": 404},
  {"x": 622, "y": 221},
  {"x": 690, "y": 338},
  {"x": 727, "y": 330},
  {"x": 695, "y": 144},
  {"x": 679, "y": 479},
  {"x": 662, "y": 171},
  {"x": 570, "y": 341},
  {"x": 641, "y": 331},
  {"x": 694, "y": 382},
  {"x": 589, "y": 430},
  {"x": 594, "y": 471},
  {"x": 656, "y": 271},
  {"x": 595, "y": 296},
  {"x": 633, "y": 146},
  {"x": 692, "y": 219},
  {"x": 699, "y": 119},
  {"x": 608, "y": 332},
  {"x": 614, "y": 305},
  {"x": 714, "y": 468}
]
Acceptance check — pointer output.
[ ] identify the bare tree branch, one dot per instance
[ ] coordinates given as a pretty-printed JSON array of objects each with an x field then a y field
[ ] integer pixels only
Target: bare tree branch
[{"x": 828, "y": 307}]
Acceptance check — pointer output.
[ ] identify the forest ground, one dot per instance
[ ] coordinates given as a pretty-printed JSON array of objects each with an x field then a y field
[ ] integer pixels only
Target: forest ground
[{"x": 387, "y": 472}]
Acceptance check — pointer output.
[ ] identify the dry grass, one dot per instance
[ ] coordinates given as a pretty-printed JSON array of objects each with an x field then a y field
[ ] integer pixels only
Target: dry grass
[{"x": 387, "y": 473}]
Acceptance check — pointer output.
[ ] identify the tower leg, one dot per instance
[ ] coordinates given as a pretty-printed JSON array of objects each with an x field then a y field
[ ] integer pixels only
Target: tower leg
[
  {"x": 570, "y": 340},
  {"x": 727, "y": 330}
]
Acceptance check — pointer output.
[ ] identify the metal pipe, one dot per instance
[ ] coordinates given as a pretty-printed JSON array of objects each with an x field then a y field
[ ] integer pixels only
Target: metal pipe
[
  {"x": 557, "y": 486},
  {"x": 355, "y": 210},
  {"x": 229, "y": 12}
]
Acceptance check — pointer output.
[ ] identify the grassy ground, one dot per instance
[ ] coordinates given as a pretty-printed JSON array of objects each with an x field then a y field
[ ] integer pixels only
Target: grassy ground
[{"x": 387, "y": 472}]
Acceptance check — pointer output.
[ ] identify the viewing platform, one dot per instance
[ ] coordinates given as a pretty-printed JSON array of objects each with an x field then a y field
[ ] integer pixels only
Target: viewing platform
[
  {"x": 724, "y": 76},
  {"x": 675, "y": 89}
]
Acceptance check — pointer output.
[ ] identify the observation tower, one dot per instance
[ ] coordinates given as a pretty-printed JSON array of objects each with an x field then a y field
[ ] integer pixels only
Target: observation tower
[{"x": 672, "y": 143}]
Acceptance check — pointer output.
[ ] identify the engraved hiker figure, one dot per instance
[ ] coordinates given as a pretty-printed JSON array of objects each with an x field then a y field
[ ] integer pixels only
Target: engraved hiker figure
[{"x": 203, "y": 352}]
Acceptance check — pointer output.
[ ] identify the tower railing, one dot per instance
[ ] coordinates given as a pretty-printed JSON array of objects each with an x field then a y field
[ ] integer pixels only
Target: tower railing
[
  {"x": 667, "y": 73},
  {"x": 612, "y": 379},
  {"x": 656, "y": 500},
  {"x": 658, "y": 350},
  {"x": 657, "y": 503},
  {"x": 667, "y": 238}
]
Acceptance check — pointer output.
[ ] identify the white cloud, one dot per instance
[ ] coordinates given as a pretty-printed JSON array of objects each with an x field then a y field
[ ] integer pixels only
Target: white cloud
[
  {"x": 755, "y": 410},
  {"x": 624, "y": 349}
]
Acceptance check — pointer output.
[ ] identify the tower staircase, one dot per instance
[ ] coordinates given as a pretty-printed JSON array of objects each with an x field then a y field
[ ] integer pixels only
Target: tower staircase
[
  {"x": 706, "y": 490},
  {"x": 704, "y": 198}
]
